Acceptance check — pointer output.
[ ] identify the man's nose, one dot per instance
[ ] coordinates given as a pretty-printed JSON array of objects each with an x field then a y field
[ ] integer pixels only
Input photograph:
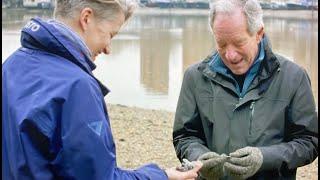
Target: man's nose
[{"x": 231, "y": 54}]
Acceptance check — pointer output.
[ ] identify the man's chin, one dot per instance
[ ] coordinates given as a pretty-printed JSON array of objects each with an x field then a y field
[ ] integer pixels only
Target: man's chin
[{"x": 239, "y": 72}]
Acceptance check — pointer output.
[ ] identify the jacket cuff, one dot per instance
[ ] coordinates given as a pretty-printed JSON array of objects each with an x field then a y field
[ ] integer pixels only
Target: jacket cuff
[
  {"x": 165, "y": 173},
  {"x": 195, "y": 153},
  {"x": 152, "y": 171},
  {"x": 270, "y": 159}
]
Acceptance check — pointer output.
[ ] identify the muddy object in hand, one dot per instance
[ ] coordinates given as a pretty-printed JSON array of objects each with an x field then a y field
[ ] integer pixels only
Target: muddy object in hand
[{"x": 185, "y": 166}]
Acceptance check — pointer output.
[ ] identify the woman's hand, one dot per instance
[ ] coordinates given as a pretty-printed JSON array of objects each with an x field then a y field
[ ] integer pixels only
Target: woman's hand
[{"x": 174, "y": 174}]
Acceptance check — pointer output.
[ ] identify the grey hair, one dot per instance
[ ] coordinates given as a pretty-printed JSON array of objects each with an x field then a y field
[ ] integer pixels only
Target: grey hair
[
  {"x": 102, "y": 9},
  {"x": 251, "y": 9}
]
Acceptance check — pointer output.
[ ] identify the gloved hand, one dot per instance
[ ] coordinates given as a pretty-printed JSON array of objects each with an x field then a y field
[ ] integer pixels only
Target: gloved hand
[
  {"x": 212, "y": 167},
  {"x": 244, "y": 162}
]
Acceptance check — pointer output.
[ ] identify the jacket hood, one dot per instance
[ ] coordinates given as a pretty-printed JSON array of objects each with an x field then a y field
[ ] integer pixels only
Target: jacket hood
[{"x": 42, "y": 35}]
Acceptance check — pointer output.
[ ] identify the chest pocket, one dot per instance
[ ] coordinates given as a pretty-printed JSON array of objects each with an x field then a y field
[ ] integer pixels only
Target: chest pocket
[
  {"x": 266, "y": 121},
  {"x": 214, "y": 103}
]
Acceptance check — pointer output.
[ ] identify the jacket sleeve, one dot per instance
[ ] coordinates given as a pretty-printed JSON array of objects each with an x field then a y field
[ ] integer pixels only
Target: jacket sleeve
[
  {"x": 301, "y": 132},
  {"x": 188, "y": 135},
  {"x": 83, "y": 139}
]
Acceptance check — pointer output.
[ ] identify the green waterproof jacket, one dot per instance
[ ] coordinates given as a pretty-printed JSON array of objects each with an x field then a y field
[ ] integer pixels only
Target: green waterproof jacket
[{"x": 277, "y": 114}]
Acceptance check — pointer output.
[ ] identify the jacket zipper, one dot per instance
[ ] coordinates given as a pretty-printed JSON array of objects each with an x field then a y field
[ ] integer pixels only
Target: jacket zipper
[{"x": 251, "y": 116}]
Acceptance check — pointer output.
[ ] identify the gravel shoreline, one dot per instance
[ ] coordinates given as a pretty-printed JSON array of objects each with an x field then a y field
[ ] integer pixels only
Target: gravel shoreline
[{"x": 144, "y": 136}]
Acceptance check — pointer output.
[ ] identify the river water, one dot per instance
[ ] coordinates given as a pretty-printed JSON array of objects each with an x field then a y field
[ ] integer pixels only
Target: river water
[{"x": 151, "y": 52}]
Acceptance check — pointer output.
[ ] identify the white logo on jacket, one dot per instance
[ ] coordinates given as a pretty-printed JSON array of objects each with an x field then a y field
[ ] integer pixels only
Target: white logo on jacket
[{"x": 32, "y": 25}]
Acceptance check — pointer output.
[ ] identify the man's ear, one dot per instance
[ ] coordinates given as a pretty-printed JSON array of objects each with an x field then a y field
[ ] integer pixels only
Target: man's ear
[
  {"x": 86, "y": 16},
  {"x": 260, "y": 34}
]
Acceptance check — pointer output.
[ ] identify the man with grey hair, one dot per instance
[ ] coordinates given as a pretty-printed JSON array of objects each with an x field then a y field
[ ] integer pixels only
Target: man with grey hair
[
  {"x": 55, "y": 123},
  {"x": 244, "y": 111}
]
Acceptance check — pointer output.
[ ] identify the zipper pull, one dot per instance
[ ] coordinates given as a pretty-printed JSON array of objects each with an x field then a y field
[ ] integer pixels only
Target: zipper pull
[
  {"x": 252, "y": 108},
  {"x": 252, "y": 104},
  {"x": 251, "y": 117}
]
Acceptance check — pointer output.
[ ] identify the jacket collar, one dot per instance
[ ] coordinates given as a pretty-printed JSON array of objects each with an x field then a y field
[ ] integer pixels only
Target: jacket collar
[
  {"x": 41, "y": 35},
  {"x": 74, "y": 39},
  {"x": 270, "y": 63}
]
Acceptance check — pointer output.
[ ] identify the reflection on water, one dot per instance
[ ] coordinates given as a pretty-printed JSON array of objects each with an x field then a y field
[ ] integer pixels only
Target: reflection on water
[
  {"x": 154, "y": 64},
  {"x": 151, "y": 53}
]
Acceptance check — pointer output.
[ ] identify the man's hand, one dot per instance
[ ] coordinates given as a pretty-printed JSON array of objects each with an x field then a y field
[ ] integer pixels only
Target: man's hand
[
  {"x": 244, "y": 162},
  {"x": 174, "y": 174},
  {"x": 212, "y": 165}
]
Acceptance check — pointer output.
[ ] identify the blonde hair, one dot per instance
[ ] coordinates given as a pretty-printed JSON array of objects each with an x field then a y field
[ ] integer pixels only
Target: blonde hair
[{"x": 102, "y": 9}]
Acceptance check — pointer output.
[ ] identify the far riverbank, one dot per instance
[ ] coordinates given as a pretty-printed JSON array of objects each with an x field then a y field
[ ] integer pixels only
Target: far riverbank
[
  {"x": 288, "y": 14},
  {"x": 292, "y": 14}
]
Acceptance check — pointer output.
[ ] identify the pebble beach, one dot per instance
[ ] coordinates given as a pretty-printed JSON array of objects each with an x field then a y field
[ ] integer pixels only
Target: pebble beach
[{"x": 143, "y": 136}]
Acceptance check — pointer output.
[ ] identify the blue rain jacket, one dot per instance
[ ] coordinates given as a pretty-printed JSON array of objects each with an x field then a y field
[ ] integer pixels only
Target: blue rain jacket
[{"x": 55, "y": 123}]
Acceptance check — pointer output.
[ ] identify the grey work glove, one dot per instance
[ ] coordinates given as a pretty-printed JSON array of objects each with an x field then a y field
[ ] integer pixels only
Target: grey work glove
[
  {"x": 212, "y": 167},
  {"x": 244, "y": 163}
]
